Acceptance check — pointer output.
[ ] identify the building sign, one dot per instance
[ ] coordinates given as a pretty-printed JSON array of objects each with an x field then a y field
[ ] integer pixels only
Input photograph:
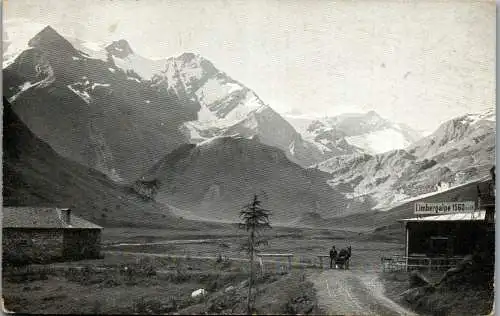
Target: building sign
[{"x": 444, "y": 207}]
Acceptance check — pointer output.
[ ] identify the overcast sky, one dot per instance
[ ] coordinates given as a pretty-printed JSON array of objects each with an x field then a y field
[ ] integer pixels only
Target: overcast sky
[{"x": 418, "y": 63}]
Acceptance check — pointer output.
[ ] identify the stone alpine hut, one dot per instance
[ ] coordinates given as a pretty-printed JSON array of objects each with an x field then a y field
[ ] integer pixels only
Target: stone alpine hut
[{"x": 39, "y": 235}]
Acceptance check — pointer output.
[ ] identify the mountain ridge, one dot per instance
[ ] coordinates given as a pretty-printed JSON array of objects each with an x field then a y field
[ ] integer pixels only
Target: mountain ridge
[
  {"x": 460, "y": 150},
  {"x": 224, "y": 105}
]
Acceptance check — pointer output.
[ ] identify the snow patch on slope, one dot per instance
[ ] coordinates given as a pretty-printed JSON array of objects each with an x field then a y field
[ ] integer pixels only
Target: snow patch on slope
[
  {"x": 93, "y": 46},
  {"x": 474, "y": 118},
  {"x": 207, "y": 142},
  {"x": 93, "y": 50},
  {"x": 194, "y": 136},
  {"x": 133, "y": 79},
  {"x": 82, "y": 94},
  {"x": 94, "y": 85},
  {"x": 379, "y": 141},
  {"x": 249, "y": 104},
  {"x": 208, "y": 119},
  {"x": 205, "y": 115},
  {"x": 25, "y": 86},
  {"x": 214, "y": 90},
  {"x": 145, "y": 68}
]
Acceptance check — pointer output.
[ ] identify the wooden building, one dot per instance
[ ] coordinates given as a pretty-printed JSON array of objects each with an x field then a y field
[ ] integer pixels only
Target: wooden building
[
  {"x": 440, "y": 241},
  {"x": 443, "y": 240},
  {"x": 447, "y": 235},
  {"x": 39, "y": 235}
]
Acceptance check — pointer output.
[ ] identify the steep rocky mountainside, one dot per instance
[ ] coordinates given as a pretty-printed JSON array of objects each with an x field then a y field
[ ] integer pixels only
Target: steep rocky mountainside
[
  {"x": 91, "y": 111},
  {"x": 35, "y": 175},
  {"x": 473, "y": 133}
]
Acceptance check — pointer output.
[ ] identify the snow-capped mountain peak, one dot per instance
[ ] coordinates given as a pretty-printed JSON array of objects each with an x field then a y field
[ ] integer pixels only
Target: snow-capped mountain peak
[
  {"x": 474, "y": 118},
  {"x": 49, "y": 40},
  {"x": 457, "y": 133},
  {"x": 359, "y": 132},
  {"x": 227, "y": 107},
  {"x": 124, "y": 57},
  {"x": 120, "y": 49}
]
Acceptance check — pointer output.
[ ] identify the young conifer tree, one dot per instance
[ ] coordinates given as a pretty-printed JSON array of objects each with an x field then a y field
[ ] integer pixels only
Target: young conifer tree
[{"x": 254, "y": 219}]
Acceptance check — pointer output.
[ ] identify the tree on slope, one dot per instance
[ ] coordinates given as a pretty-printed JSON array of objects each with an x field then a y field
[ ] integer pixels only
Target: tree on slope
[{"x": 254, "y": 219}]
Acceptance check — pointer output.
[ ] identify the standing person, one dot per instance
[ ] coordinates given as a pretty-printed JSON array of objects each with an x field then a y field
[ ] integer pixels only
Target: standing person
[{"x": 333, "y": 256}]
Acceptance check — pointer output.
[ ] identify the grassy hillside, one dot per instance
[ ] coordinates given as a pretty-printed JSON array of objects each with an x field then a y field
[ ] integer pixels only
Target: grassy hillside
[{"x": 216, "y": 178}]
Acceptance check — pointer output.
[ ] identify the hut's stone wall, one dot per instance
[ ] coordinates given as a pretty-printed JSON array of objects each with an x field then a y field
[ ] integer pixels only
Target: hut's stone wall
[
  {"x": 32, "y": 245},
  {"x": 82, "y": 243},
  {"x": 47, "y": 245}
]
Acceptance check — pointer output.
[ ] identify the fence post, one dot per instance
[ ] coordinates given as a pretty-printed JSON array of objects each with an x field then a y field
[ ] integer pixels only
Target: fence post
[{"x": 290, "y": 263}]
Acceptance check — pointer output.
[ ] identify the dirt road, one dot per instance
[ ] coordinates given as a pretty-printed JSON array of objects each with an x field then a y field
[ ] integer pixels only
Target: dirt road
[{"x": 353, "y": 292}]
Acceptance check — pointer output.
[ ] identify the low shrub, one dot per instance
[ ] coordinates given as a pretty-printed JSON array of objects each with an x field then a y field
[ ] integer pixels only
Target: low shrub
[
  {"x": 178, "y": 276},
  {"x": 146, "y": 266},
  {"x": 28, "y": 277},
  {"x": 144, "y": 306},
  {"x": 83, "y": 276}
]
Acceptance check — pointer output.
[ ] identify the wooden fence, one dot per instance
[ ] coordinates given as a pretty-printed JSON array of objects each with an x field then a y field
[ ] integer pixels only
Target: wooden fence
[
  {"x": 402, "y": 263},
  {"x": 321, "y": 257},
  {"x": 289, "y": 256}
]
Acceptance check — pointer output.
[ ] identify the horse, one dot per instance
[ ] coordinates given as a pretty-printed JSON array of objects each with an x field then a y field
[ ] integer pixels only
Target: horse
[{"x": 343, "y": 258}]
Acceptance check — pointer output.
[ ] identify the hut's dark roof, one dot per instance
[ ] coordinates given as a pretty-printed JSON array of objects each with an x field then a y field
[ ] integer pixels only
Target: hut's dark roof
[{"x": 42, "y": 217}]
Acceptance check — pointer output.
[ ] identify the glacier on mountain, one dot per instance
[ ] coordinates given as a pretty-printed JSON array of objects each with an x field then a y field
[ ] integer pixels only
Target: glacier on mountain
[
  {"x": 144, "y": 67},
  {"x": 381, "y": 141}
]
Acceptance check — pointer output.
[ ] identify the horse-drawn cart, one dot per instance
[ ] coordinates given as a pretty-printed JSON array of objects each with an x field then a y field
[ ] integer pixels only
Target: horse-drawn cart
[
  {"x": 342, "y": 262},
  {"x": 343, "y": 259}
]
